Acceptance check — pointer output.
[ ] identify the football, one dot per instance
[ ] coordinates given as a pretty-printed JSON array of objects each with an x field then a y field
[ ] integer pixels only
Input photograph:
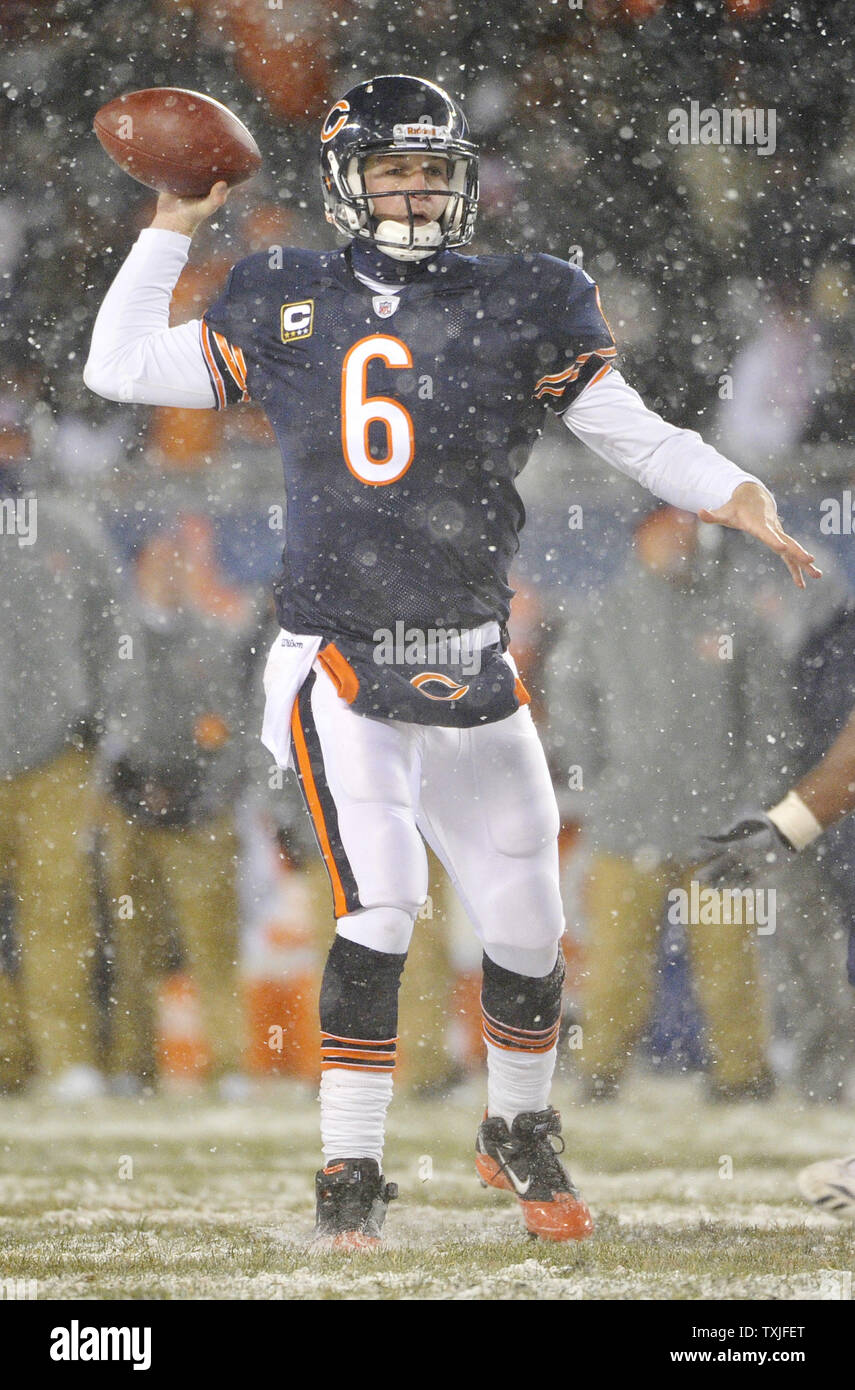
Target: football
[{"x": 176, "y": 141}]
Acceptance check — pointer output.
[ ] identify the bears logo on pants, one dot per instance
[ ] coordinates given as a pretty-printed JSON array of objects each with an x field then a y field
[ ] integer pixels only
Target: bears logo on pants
[{"x": 453, "y": 690}]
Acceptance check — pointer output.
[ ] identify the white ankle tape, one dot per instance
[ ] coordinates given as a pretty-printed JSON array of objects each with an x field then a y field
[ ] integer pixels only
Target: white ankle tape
[
  {"x": 353, "y": 1114},
  {"x": 518, "y": 1082}
]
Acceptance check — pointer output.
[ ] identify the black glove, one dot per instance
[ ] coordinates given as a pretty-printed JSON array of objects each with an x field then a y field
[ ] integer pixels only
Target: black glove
[{"x": 747, "y": 850}]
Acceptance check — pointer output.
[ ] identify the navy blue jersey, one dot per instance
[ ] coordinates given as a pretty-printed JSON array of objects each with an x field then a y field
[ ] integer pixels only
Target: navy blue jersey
[{"x": 403, "y": 423}]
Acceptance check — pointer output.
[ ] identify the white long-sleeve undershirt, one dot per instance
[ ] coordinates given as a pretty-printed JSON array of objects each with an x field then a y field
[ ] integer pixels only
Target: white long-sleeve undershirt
[
  {"x": 136, "y": 357},
  {"x": 675, "y": 464}
]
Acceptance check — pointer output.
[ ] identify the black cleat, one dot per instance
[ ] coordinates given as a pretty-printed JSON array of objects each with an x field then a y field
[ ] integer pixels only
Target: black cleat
[
  {"x": 523, "y": 1160},
  {"x": 352, "y": 1198}
]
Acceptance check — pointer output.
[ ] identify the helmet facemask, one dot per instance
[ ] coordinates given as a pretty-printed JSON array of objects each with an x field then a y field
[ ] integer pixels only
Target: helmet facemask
[{"x": 409, "y": 241}]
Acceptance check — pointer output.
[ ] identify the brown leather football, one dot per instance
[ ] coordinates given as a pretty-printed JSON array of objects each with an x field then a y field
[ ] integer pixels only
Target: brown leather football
[{"x": 176, "y": 141}]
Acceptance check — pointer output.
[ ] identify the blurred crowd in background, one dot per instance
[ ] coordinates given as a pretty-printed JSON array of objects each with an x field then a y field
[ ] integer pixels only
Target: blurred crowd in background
[{"x": 163, "y": 909}]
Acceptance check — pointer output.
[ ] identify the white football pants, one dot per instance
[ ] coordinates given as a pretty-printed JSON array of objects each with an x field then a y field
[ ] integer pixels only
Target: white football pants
[{"x": 482, "y": 798}]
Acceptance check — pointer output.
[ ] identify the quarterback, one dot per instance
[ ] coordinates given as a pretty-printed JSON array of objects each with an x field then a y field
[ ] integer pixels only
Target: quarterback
[{"x": 406, "y": 385}]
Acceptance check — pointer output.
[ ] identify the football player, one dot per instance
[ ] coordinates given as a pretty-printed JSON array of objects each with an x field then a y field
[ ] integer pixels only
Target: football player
[
  {"x": 754, "y": 844},
  {"x": 406, "y": 385}
]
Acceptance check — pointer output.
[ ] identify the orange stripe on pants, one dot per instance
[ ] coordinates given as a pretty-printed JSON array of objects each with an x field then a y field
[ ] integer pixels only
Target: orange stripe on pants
[{"x": 316, "y": 811}]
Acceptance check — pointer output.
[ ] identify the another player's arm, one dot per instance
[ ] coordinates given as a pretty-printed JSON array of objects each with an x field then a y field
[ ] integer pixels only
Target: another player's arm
[
  {"x": 823, "y": 796},
  {"x": 828, "y": 790},
  {"x": 135, "y": 356}
]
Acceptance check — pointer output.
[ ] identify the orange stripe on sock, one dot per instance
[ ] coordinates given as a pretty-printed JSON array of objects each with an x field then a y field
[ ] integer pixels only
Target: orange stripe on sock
[
  {"x": 355, "y": 1042},
  {"x": 499, "y": 1038},
  {"x": 534, "y": 1033},
  {"x": 529, "y": 1047},
  {"x": 357, "y": 1054},
  {"x": 354, "y": 1066}
]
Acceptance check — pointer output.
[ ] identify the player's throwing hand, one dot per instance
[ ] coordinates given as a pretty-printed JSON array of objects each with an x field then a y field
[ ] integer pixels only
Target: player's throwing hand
[{"x": 184, "y": 215}]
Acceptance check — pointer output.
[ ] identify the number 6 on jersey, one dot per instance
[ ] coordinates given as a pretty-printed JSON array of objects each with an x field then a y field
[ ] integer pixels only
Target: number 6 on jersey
[{"x": 359, "y": 411}]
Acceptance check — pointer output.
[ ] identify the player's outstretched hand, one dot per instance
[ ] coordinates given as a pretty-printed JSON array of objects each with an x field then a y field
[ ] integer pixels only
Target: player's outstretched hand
[
  {"x": 744, "y": 852},
  {"x": 176, "y": 214},
  {"x": 752, "y": 509}
]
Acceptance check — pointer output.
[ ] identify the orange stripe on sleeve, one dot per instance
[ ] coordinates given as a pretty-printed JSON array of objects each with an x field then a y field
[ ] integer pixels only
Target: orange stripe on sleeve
[
  {"x": 601, "y": 372},
  {"x": 552, "y": 377},
  {"x": 219, "y": 385},
  {"x": 556, "y": 377},
  {"x": 230, "y": 359}
]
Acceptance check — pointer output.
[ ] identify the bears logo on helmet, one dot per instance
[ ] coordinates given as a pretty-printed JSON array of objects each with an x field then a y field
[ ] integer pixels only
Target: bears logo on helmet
[{"x": 336, "y": 118}]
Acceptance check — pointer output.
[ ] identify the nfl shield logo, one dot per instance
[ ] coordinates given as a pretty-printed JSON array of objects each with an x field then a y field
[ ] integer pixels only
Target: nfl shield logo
[{"x": 385, "y": 305}]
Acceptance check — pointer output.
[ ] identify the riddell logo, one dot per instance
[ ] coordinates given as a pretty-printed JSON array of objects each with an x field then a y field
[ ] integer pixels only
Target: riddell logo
[
  {"x": 421, "y": 130},
  {"x": 76, "y": 1343}
]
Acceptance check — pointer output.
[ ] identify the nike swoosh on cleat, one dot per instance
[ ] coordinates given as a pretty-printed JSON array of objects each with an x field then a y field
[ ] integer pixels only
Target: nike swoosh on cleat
[{"x": 521, "y": 1188}]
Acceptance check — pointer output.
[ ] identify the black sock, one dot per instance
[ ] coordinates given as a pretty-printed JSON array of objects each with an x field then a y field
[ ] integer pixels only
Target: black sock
[
  {"x": 359, "y": 1007},
  {"x": 522, "y": 1013}
]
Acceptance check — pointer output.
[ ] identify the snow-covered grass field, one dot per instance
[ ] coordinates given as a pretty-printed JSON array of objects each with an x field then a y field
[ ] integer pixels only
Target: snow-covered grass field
[{"x": 180, "y": 1198}]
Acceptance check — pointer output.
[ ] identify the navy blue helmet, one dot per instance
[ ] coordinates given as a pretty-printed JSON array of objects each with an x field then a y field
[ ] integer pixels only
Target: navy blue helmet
[{"x": 392, "y": 115}]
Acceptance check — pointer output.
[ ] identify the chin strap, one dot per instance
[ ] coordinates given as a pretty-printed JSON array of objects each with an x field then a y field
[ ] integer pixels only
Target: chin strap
[{"x": 393, "y": 239}]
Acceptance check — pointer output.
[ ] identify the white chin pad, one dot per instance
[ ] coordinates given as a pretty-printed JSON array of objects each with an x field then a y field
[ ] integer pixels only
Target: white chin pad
[{"x": 425, "y": 240}]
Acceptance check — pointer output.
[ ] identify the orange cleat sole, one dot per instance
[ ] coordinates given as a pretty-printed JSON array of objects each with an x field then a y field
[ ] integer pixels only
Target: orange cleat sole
[
  {"x": 564, "y": 1218},
  {"x": 490, "y": 1173},
  {"x": 354, "y": 1241}
]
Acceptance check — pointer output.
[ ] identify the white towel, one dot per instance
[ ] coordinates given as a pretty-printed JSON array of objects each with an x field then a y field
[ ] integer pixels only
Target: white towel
[{"x": 288, "y": 665}]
